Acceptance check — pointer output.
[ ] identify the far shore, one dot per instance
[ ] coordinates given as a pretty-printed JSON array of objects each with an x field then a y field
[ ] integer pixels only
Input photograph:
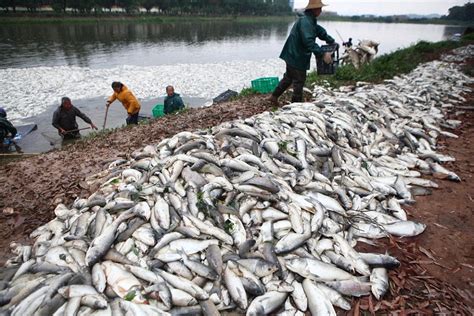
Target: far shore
[
  {"x": 142, "y": 18},
  {"x": 52, "y": 17}
]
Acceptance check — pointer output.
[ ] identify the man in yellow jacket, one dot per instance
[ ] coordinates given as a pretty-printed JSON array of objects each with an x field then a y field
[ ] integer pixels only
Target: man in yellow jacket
[{"x": 129, "y": 101}]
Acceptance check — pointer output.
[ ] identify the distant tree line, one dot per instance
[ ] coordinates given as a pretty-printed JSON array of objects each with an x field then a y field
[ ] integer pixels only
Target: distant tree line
[
  {"x": 168, "y": 7},
  {"x": 464, "y": 13}
]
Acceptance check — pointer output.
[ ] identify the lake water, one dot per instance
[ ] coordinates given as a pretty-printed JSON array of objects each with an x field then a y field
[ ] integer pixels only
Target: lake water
[{"x": 41, "y": 63}]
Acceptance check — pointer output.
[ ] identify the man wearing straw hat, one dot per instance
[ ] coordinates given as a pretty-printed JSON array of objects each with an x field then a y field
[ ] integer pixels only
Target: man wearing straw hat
[{"x": 296, "y": 53}]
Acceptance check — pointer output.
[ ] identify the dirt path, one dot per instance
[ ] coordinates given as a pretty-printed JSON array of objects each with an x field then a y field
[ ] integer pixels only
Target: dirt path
[
  {"x": 449, "y": 214},
  {"x": 437, "y": 267},
  {"x": 437, "y": 270}
]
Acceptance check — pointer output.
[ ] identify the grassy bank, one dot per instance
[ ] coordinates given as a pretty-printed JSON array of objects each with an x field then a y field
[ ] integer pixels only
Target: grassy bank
[
  {"x": 394, "y": 19},
  {"x": 51, "y": 17},
  {"x": 387, "y": 66},
  {"x": 60, "y": 19},
  {"x": 384, "y": 67}
]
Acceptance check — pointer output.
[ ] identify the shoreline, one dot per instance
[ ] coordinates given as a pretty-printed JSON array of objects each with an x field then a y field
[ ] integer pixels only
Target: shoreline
[
  {"x": 384, "y": 67},
  {"x": 53, "y": 18}
]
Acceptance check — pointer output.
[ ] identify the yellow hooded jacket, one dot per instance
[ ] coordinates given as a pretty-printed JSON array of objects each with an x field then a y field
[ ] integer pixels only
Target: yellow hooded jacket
[{"x": 129, "y": 101}]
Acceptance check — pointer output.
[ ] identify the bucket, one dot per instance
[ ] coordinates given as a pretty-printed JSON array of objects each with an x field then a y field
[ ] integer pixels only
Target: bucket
[{"x": 328, "y": 69}]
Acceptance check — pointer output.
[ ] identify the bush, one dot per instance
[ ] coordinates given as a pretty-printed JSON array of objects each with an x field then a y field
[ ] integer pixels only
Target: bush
[
  {"x": 246, "y": 92},
  {"x": 468, "y": 37}
]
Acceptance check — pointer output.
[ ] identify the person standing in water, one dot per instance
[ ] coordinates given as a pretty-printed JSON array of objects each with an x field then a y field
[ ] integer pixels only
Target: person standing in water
[
  {"x": 173, "y": 101},
  {"x": 64, "y": 120},
  {"x": 129, "y": 101}
]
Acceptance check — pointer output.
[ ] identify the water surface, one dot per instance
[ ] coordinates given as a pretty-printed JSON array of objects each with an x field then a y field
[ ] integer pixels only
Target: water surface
[
  {"x": 41, "y": 63},
  {"x": 104, "y": 45}
]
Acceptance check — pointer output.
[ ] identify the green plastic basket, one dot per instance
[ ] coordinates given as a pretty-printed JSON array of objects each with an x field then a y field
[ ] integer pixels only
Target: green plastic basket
[
  {"x": 265, "y": 85},
  {"x": 158, "y": 110}
]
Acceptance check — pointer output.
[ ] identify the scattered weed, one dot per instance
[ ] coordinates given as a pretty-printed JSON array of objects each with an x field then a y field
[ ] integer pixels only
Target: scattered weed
[
  {"x": 283, "y": 145},
  {"x": 247, "y": 92},
  {"x": 130, "y": 296},
  {"x": 228, "y": 226}
]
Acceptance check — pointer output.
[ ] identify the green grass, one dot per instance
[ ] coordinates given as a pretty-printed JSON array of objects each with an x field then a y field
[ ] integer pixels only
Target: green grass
[
  {"x": 468, "y": 37},
  {"x": 100, "y": 133},
  {"x": 387, "y": 66},
  {"x": 54, "y": 17},
  {"x": 391, "y": 19},
  {"x": 247, "y": 91}
]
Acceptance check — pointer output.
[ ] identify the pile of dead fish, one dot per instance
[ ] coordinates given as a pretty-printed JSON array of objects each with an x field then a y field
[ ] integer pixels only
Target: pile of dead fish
[
  {"x": 459, "y": 54},
  {"x": 255, "y": 216}
]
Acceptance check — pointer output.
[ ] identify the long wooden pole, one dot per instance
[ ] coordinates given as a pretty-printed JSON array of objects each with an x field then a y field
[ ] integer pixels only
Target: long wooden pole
[
  {"x": 105, "y": 118},
  {"x": 77, "y": 130}
]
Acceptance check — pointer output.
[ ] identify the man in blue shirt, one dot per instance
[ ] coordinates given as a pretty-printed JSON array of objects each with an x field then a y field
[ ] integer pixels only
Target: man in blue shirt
[
  {"x": 173, "y": 101},
  {"x": 299, "y": 47}
]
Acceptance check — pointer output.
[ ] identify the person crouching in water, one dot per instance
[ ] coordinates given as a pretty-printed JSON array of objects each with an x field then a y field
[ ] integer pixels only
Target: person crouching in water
[
  {"x": 173, "y": 101},
  {"x": 64, "y": 119},
  {"x": 129, "y": 101},
  {"x": 299, "y": 47},
  {"x": 7, "y": 130}
]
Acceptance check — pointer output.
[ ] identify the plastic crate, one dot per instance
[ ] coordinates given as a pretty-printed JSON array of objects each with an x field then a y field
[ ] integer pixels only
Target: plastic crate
[
  {"x": 328, "y": 69},
  {"x": 158, "y": 110},
  {"x": 265, "y": 85}
]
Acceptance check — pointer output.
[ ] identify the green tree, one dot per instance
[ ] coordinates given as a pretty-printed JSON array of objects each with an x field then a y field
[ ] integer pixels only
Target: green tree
[
  {"x": 131, "y": 6},
  {"x": 282, "y": 5},
  {"x": 59, "y": 5},
  {"x": 175, "y": 7},
  {"x": 107, "y": 4},
  {"x": 464, "y": 13},
  {"x": 6, "y": 4},
  {"x": 163, "y": 5},
  {"x": 149, "y": 4},
  {"x": 31, "y": 5},
  {"x": 82, "y": 6}
]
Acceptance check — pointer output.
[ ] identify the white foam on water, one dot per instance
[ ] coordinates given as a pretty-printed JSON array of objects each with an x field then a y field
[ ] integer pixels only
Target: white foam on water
[{"x": 29, "y": 91}]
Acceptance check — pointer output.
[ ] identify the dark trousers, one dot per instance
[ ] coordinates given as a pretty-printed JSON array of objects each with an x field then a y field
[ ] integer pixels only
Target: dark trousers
[
  {"x": 4, "y": 144},
  {"x": 70, "y": 136},
  {"x": 132, "y": 119},
  {"x": 292, "y": 76}
]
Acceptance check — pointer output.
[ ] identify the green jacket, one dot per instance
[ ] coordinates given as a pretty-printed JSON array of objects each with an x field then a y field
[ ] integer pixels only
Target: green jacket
[
  {"x": 301, "y": 42},
  {"x": 173, "y": 103},
  {"x": 6, "y": 128}
]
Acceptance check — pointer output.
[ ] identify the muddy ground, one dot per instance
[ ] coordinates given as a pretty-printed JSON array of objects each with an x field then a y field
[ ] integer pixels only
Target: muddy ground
[{"x": 437, "y": 267}]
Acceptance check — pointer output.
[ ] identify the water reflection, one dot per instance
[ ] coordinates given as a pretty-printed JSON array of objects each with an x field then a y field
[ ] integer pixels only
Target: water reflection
[
  {"x": 101, "y": 45},
  {"x": 48, "y": 45}
]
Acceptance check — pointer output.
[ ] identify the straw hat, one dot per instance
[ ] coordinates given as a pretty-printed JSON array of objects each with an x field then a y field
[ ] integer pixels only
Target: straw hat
[{"x": 315, "y": 4}]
